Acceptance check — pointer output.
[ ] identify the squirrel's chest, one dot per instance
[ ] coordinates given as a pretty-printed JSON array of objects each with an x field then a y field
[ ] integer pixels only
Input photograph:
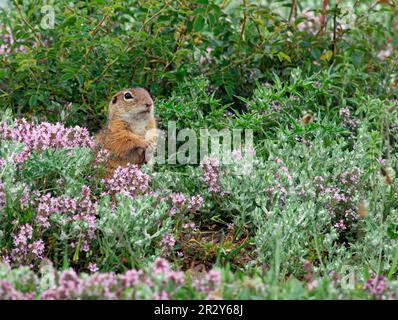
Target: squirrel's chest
[{"x": 139, "y": 128}]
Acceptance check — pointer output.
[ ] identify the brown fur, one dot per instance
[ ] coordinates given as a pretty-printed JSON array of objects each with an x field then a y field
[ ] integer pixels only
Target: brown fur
[{"x": 130, "y": 130}]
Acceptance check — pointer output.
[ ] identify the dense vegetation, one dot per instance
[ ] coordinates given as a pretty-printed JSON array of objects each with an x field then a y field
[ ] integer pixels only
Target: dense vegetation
[{"x": 316, "y": 218}]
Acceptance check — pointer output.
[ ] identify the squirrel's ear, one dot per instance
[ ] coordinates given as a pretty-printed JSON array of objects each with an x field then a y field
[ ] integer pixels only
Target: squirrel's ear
[{"x": 114, "y": 100}]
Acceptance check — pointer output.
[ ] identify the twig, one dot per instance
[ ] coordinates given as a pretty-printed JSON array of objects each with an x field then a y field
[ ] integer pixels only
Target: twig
[
  {"x": 110, "y": 64},
  {"x": 99, "y": 24},
  {"x": 128, "y": 48},
  {"x": 334, "y": 31},
  {"x": 244, "y": 19},
  {"x": 155, "y": 15},
  {"x": 324, "y": 14},
  {"x": 27, "y": 23},
  {"x": 293, "y": 10}
]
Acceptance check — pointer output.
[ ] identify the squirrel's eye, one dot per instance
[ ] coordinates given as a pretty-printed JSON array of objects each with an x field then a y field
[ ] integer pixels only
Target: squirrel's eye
[{"x": 128, "y": 96}]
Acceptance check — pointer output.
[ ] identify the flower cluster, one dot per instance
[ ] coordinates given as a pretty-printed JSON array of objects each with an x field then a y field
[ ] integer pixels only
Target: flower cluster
[
  {"x": 2, "y": 163},
  {"x": 8, "y": 43},
  {"x": 8, "y": 292},
  {"x": 44, "y": 135},
  {"x": 157, "y": 281},
  {"x": 69, "y": 287},
  {"x": 340, "y": 198},
  {"x": 311, "y": 23},
  {"x": 101, "y": 157},
  {"x": 161, "y": 280},
  {"x": 92, "y": 267},
  {"x": 237, "y": 155},
  {"x": 2, "y": 195},
  {"x": 312, "y": 283},
  {"x": 210, "y": 167},
  {"x": 209, "y": 284},
  {"x": 25, "y": 250},
  {"x": 283, "y": 179},
  {"x": 383, "y": 54},
  {"x": 376, "y": 286},
  {"x": 20, "y": 157},
  {"x": 340, "y": 225},
  {"x": 167, "y": 244},
  {"x": 162, "y": 267},
  {"x": 180, "y": 203},
  {"x": 183, "y": 209},
  {"x": 129, "y": 181},
  {"x": 346, "y": 119},
  {"x": 178, "y": 200},
  {"x": 195, "y": 203},
  {"x": 77, "y": 214},
  {"x": 284, "y": 170}
]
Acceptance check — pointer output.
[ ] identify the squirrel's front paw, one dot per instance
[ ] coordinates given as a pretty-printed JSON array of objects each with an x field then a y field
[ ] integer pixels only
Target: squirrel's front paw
[
  {"x": 149, "y": 153},
  {"x": 143, "y": 145}
]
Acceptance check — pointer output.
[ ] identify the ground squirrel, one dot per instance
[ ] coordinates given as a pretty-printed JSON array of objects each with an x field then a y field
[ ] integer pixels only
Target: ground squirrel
[{"x": 130, "y": 133}]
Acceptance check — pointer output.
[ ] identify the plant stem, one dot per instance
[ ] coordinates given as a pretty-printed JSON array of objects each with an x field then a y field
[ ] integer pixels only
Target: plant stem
[
  {"x": 27, "y": 23},
  {"x": 335, "y": 31},
  {"x": 293, "y": 10}
]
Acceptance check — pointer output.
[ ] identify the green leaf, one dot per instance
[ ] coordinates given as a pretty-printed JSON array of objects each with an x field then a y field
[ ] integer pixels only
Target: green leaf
[
  {"x": 76, "y": 255},
  {"x": 283, "y": 56},
  {"x": 199, "y": 24},
  {"x": 69, "y": 21},
  {"x": 326, "y": 56},
  {"x": 69, "y": 74},
  {"x": 394, "y": 264},
  {"x": 212, "y": 19},
  {"x": 199, "y": 12},
  {"x": 392, "y": 231},
  {"x": 33, "y": 101},
  {"x": 65, "y": 261}
]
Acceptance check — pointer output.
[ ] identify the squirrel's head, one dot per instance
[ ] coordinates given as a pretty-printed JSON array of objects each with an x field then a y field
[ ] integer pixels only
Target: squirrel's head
[{"x": 130, "y": 104}]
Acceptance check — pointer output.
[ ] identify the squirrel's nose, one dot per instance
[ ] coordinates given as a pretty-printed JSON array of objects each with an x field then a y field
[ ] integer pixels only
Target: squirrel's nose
[{"x": 148, "y": 104}]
